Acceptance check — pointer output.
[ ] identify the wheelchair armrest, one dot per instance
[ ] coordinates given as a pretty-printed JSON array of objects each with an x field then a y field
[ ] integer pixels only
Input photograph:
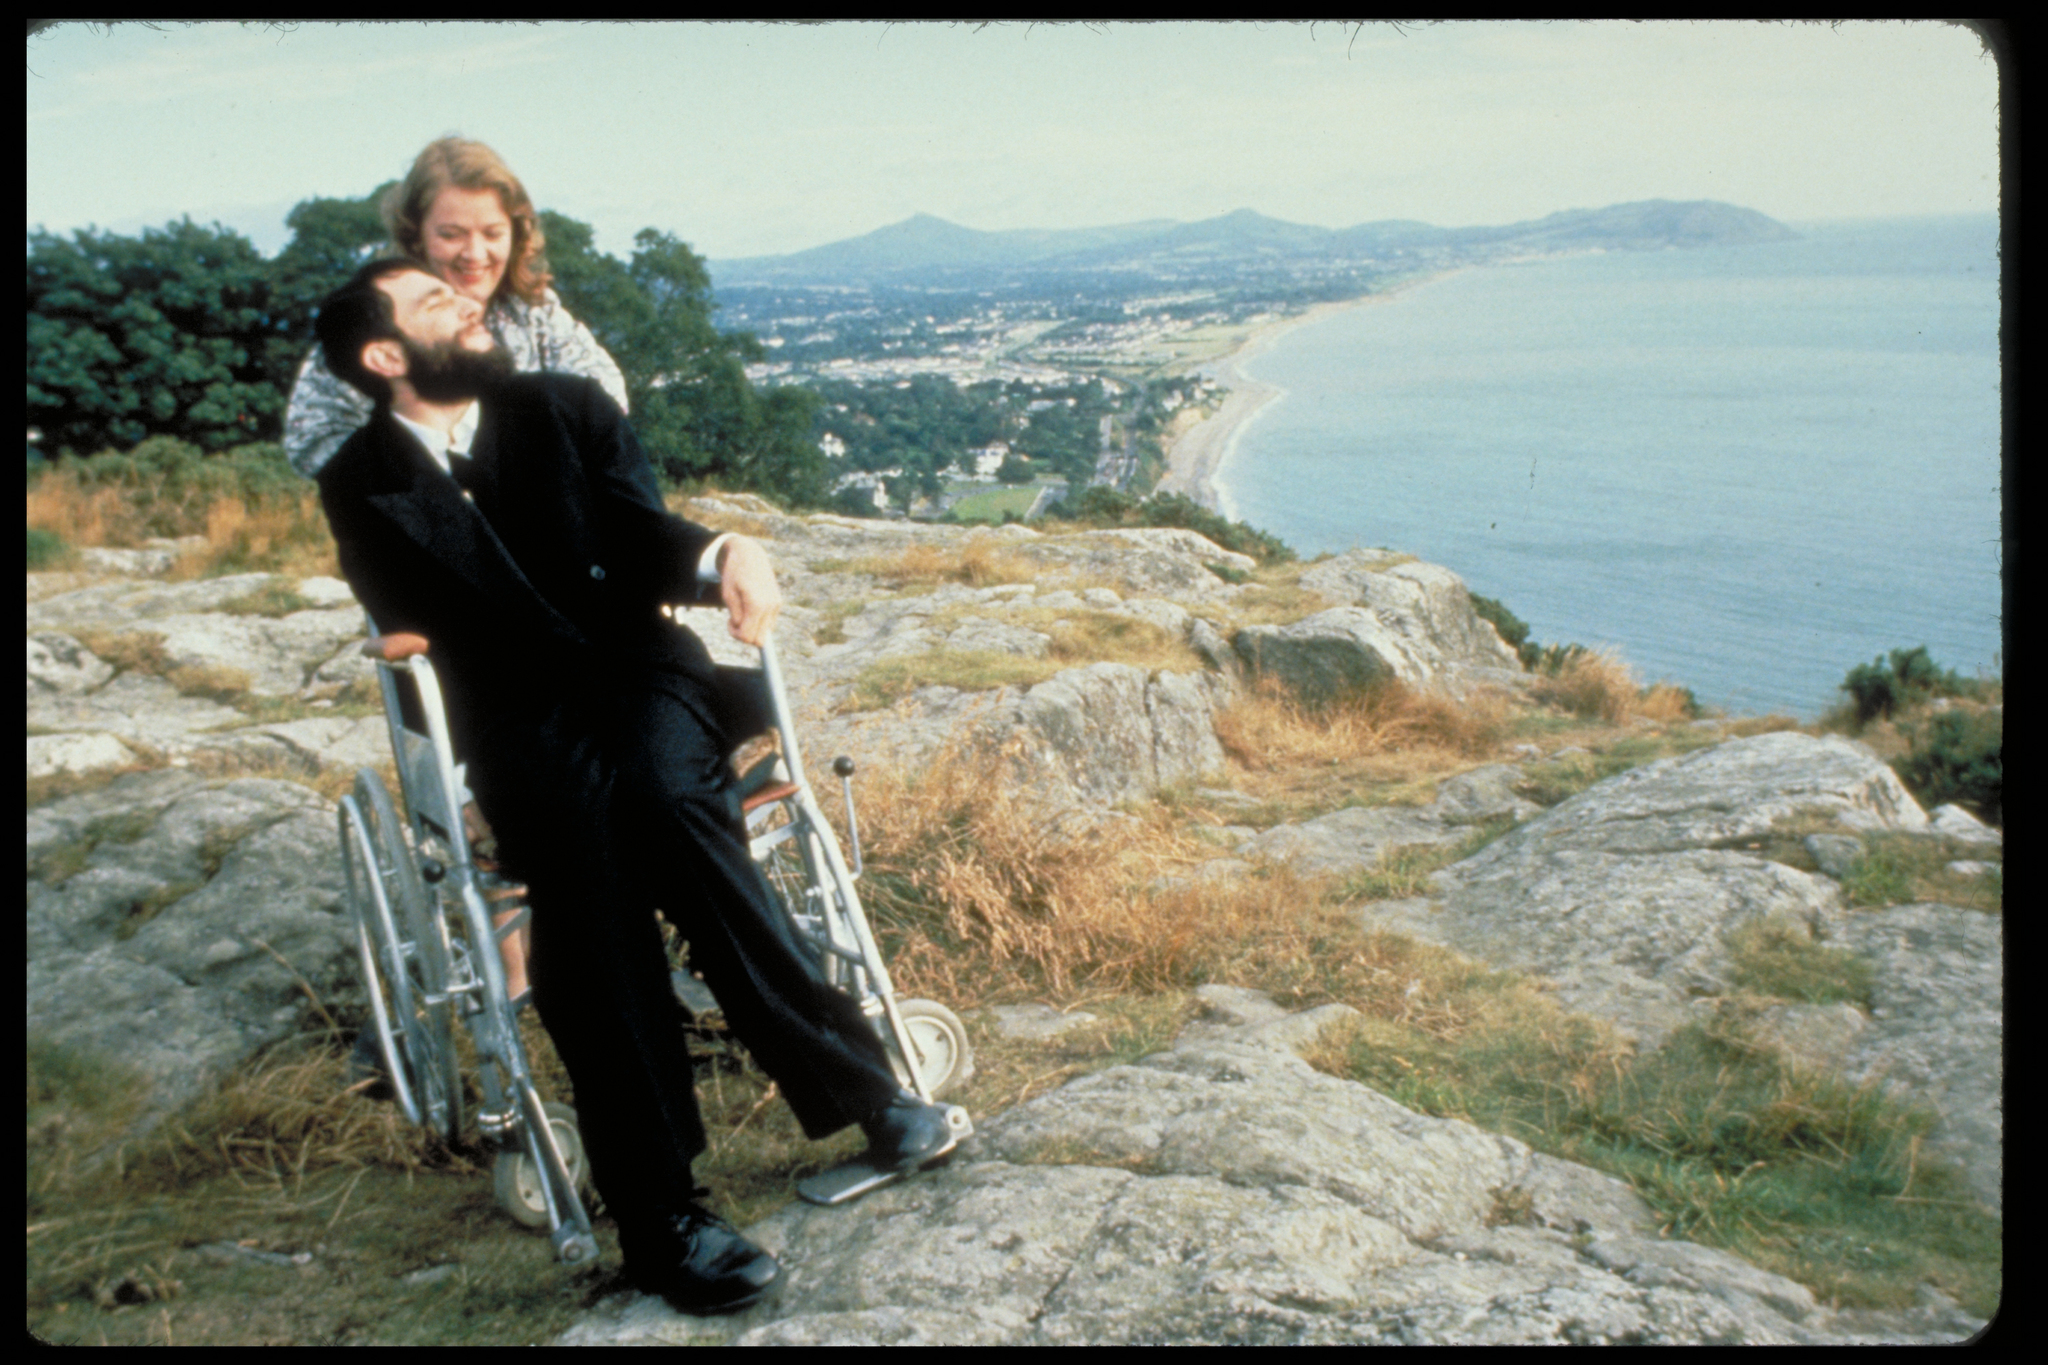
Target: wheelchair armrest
[{"x": 394, "y": 647}]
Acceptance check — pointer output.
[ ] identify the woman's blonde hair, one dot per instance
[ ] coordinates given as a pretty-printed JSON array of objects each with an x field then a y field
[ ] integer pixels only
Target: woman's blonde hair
[{"x": 471, "y": 166}]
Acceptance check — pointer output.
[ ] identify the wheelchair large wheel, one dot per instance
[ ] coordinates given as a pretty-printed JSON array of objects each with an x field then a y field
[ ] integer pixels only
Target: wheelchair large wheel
[
  {"x": 943, "y": 1058},
  {"x": 782, "y": 853},
  {"x": 517, "y": 1181},
  {"x": 405, "y": 959}
]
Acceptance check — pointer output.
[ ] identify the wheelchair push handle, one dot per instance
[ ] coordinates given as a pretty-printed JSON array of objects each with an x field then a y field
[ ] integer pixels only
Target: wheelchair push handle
[{"x": 395, "y": 647}]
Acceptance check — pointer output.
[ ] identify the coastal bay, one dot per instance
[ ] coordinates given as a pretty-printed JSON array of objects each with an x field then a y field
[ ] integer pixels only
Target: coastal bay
[
  {"x": 1198, "y": 454},
  {"x": 1746, "y": 468}
]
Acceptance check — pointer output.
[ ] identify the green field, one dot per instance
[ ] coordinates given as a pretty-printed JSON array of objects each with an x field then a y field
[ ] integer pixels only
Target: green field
[{"x": 991, "y": 505}]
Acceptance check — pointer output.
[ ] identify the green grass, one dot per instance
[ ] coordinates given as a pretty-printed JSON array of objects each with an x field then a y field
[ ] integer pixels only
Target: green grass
[
  {"x": 1898, "y": 869},
  {"x": 1079, "y": 637},
  {"x": 1406, "y": 870},
  {"x": 47, "y": 550},
  {"x": 991, "y": 505},
  {"x": 1557, "y": 779},
  {"x": 1778, "y": 959},
  {"x": 1807, "y": 1176},
  {"x": 891, "y": 680},
  {"x": 276, "y": 598}
]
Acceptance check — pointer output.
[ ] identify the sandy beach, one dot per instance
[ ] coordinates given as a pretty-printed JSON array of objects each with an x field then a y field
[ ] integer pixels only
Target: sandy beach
[{"x": 1196, "y": 455}]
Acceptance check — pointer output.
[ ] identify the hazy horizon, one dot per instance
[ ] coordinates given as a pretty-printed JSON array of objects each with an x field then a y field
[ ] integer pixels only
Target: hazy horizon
[{"x": 753, "y": 139}]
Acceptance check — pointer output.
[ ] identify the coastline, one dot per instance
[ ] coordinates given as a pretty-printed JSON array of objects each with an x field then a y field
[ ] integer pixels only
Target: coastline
[{"x": 1198, "y": 453}]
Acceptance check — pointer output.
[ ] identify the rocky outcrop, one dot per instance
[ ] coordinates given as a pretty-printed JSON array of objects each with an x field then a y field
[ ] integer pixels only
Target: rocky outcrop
[
  {"x": 1220, "y": 1192},
  {"x": 1630, "y": 899},
  {"x": 1409, "y": 621},
  {"x": 1225, "y": 1192},
  {"x": 1357, "y": 839},
  {"x": 180, "y": 925}
]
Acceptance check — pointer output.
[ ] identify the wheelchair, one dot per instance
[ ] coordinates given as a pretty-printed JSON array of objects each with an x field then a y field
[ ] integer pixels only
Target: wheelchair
[{"x": 423, "y": 907}]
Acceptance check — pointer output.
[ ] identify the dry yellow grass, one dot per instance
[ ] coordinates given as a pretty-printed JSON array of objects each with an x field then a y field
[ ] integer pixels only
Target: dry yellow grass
[
  {"x": 1595, "y": 684},
  {"x": 285, "y": 534},
  {"x": 979, "y": 562},
  {"x": 982, "y": 894},
  {"x": 1664, "y": 703},
  {"x": 1269, "y": 729},
  {"x": 104, "y": 516}
]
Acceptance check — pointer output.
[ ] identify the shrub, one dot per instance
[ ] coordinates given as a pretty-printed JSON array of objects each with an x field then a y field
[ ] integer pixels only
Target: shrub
[
  {"x": 1958, "y": 756},
  {"x": 1513, "y": 630},
  {"x": 1881, "y": 687},
  {"x": 1100, "y": 505},
  {"x": 46, "y": 549}
]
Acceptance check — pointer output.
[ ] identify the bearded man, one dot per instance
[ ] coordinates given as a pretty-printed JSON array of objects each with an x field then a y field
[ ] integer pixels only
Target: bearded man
[{"x": 513, "y": 521}]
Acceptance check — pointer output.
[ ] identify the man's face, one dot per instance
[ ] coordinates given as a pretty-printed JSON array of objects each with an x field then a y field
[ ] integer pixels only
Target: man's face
[
  {"x": 428, "y": 312},
  {"x": 449, "y": 354}
]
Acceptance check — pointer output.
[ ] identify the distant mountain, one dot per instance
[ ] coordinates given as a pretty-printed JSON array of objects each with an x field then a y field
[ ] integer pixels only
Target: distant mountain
[
  {"x": 922, "y": 243},
  {"x": 925, "y": 249}
]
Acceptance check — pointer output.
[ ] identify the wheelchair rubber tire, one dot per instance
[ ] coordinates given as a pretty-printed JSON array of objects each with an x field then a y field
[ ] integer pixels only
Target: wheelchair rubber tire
[
  {"x": 431, "y": 1064},
  {"x": 376, "y": 942},
  {"x": 947, "y": 1060},
  {"x": 516, "y": 1182}
]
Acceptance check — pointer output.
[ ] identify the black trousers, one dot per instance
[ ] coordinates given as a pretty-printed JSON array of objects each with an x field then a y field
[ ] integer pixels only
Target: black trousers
[{"x": 621, "y": 801}]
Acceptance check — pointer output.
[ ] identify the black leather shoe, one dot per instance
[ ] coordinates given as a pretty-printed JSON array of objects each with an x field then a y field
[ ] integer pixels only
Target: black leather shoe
[
  {"x": 908, "y": 1133},
  {"x": 701, "y": 1264}
]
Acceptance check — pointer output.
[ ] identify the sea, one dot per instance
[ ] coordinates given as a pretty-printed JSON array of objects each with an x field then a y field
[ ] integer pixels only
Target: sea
[{"x": 1745, "y": 468}]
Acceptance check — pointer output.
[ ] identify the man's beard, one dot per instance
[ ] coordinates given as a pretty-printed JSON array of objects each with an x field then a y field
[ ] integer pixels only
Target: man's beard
[{"x": 448, "y": 371}]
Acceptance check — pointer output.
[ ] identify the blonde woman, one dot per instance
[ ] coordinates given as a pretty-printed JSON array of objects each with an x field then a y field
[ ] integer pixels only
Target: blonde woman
[{"x": 461, "y": 213}]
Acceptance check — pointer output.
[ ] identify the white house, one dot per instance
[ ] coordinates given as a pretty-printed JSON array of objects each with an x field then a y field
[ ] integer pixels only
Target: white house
[{"x": 989, "y": 458}]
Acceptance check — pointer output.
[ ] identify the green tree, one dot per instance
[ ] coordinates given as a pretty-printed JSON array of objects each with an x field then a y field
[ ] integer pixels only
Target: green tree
[
  {"x": 330, "y": 239},
  {"x": 693, "y": 406},
  {"x": 163, "y": 334}
]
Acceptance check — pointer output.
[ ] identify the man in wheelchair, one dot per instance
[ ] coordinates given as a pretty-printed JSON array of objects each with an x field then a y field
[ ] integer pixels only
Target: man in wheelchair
[{"x": 513, "y": 521}]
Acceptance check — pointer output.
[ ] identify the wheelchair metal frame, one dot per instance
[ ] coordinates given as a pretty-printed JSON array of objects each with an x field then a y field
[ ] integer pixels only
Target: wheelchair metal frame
[{"x": 431, "y": 954}]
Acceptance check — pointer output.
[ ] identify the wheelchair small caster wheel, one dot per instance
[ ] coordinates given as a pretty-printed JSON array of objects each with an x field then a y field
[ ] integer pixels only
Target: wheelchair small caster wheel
[
  {"x": 945, "y": 1061},
  {"x": 517, "y": 1182}
]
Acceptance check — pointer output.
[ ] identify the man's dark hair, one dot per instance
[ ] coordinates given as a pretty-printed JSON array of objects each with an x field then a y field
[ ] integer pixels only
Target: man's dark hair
[{"x": 355, "y": 315}]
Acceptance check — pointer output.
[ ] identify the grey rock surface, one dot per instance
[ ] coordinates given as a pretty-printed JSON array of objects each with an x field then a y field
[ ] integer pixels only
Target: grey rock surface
[
  {"x": 1352, "y": 840},
  {"x": 113, "y": 603},
  {"x": 1330, "y": 655},
  {"x": 1730, "y": 791},
  {"x": 1426, "y": 603},
  {"x": 1634, "y": 939},
  {"x": 1836, "y": 854},
  {"x": 60, "y": 665},
  {"x": 51, "y": 754},
  {"x": 1109, "y": 732},
  {"x": 137, "y": 708},
  {"x": 1958, "y": 824},
  {"x": 1224, "y": 1192},
  {"x": 1936, "y": 1030},
  {"x": 1037, "y": 1021},
  {"x": 157, "y": 910},
  {"x": 1622, "y": 897}
]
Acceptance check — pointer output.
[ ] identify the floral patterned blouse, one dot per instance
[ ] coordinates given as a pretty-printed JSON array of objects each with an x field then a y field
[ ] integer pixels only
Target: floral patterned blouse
[{"x": 326, "y": 410}]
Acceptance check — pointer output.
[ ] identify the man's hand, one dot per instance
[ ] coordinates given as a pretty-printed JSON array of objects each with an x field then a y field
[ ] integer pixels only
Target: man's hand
[{"x": 747, "y": 587}]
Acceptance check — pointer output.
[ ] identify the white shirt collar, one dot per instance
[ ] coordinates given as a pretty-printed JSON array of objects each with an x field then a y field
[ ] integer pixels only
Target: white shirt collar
[{"x": 438, "y": 445}]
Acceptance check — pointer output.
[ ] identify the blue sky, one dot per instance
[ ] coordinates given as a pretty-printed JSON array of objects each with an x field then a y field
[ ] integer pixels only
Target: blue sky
[{"x": 747, "y": 139}]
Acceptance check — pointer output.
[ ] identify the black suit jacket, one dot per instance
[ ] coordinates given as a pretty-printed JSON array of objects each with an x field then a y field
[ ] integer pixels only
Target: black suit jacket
[{"x": 552, "y": 581}]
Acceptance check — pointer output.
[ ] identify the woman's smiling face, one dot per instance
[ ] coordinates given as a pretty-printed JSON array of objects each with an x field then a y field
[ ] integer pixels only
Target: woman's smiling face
[{"x": 468, "y": 239}]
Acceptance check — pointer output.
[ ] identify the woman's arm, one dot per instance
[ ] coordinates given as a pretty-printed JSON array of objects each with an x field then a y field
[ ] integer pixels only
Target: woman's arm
[
  {"x": 322, "y": 414},
  {"x": 565, "y": 346}
]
